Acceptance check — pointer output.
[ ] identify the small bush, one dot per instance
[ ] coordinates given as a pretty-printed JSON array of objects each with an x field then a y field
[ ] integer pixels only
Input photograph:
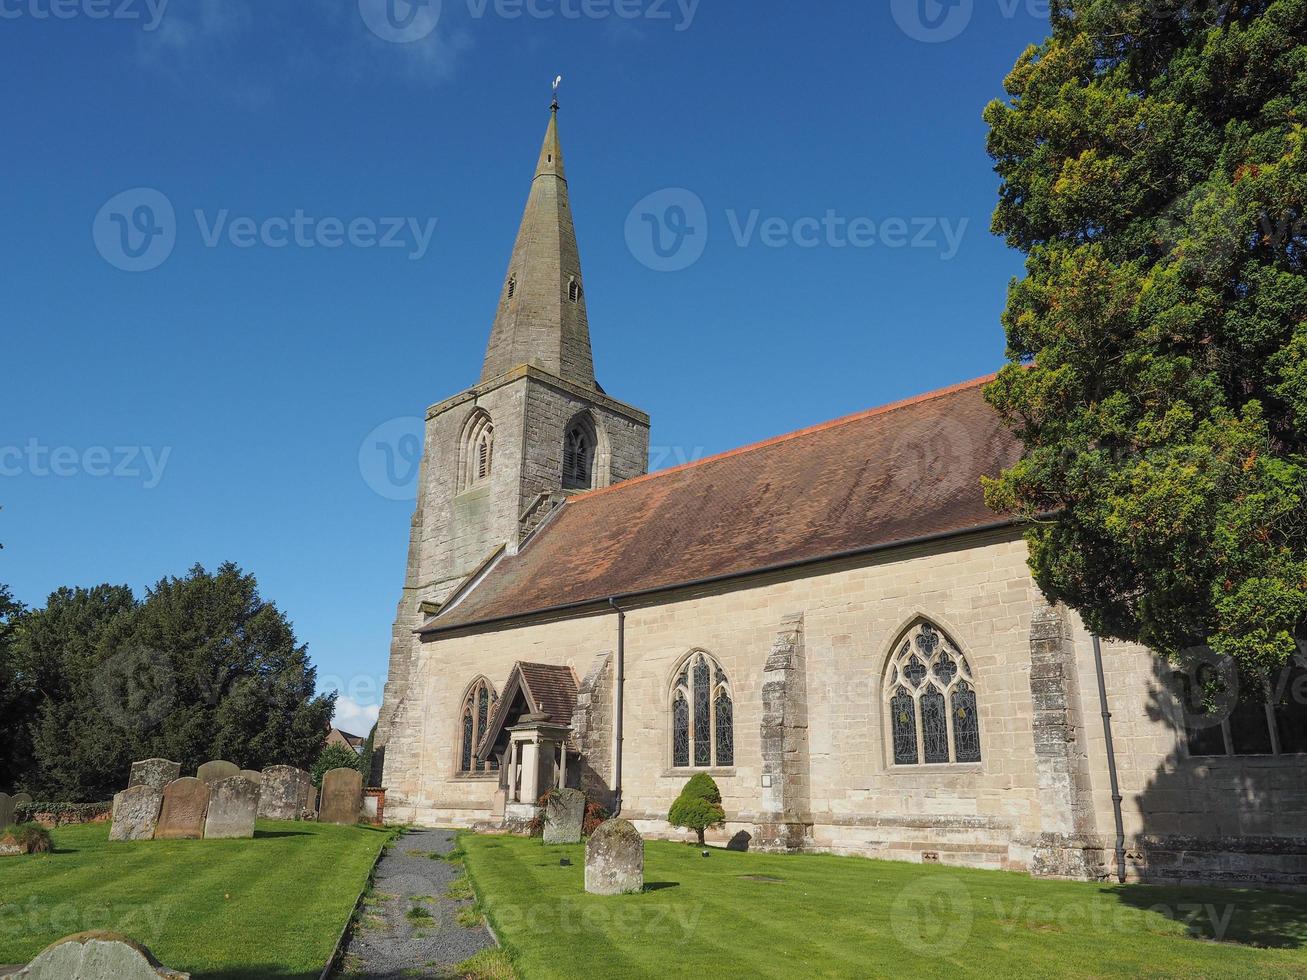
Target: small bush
[
  {"x": 594, "y": 816},
  {"x": 336, "y": 757},
  {"x": 34, "y": 838},
  {"x": 699, "y": 806}
]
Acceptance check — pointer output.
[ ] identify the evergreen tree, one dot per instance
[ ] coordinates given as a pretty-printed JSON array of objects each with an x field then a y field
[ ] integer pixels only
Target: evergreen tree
[
  {"x": 699, "y": 806},
  {"x": 337, "y": 757},
  {"x": 1154, "y": 173},
  {"x": 16, "y": 697}
]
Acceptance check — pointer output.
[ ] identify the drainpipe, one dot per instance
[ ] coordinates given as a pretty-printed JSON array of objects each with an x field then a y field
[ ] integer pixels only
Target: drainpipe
[
  {"x": 1111, "y": 761},
  {"x": 617, "y": 707}
]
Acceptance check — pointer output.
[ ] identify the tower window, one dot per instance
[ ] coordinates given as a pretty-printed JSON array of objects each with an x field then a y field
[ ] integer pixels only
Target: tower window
[
  {"x": 579, "y": 455},
  {"x": 478, "y": 450},
  {"x": 512, "y": 286},
  {"x": 574, "y": 291}
]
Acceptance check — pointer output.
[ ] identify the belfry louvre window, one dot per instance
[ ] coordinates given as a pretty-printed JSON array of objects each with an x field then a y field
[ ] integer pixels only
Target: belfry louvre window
[
  {"x": 703, "y": 715},
  {"x": 930, "y": 697},
  {"x": 574, "y": 291},
  {"x": 512, "y": 286},
  {"x": 579, "y": 455},
  {"x": 478, "y": 452},
  {"x": 478, "y": 705},
  {"x": 1232, "y": 713}
]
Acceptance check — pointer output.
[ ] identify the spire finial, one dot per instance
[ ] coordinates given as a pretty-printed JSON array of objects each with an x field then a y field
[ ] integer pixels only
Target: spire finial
[{"x": 557, "y": 82}]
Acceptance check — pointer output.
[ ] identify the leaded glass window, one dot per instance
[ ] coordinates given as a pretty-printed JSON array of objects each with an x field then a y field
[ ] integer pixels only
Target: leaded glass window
[
  {"x": 703, "y": 715},
  {"x": 478, "y": 706},
  {"x": 931, "y": 701}
]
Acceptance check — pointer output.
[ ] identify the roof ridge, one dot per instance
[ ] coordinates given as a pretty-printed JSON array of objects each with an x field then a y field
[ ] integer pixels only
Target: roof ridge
[{"x": 785, "y": 437}]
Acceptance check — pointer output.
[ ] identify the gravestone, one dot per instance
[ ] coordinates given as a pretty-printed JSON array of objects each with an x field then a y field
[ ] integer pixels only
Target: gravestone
[
  {"x": 22, "y": 798},
  {"x": 211, "y": 772},
  {"x": 233, "y": 807},
  {"x": 564, "y": 816},
  {"x": 94, "y": 956},
  {"x": 155, "y": 773},
  {"x": 342, "y": 797},
  {"x": 185, "y": 804},
  {"x": 136, "y": 813},
  {"x": 614, "y": 859},
  {"x": 255, "y": 777},
  {"x": 6, "y": 810},
  {"x": 286, "y": 793}
]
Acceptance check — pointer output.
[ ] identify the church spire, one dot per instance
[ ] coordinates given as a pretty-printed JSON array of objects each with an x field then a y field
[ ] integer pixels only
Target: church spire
[{"x": 541, "y": 318}]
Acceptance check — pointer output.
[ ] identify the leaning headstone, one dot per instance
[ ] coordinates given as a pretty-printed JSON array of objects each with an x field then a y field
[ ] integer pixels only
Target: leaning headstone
[
  {"x": 286, "y": 793},
  {"x": 233, "y": 807},
  {"x": 614, "y": 859},
  {"x": 6, "y": 810},
  {"x": 185, "y": 804},
  {"x": 95, "y": 956},
  {"x": 211, "y": 772},
  {"x": 342, "y": 797},
  {"x": 156, "y": 773},
  {"x": 255, "y": 777},
  {"x": 564, "y": 815},
  {"x": 136, "y": 813}
]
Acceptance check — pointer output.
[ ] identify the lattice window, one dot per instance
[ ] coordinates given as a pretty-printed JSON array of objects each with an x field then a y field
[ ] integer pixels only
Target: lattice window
[
  {"x": 703, "y": 715},
  {"x": 579, "y": 455},
  {"x": 478, "y": 450},
  {"x": 478, "y": 706},
  {"x": 931, "y": 701}
]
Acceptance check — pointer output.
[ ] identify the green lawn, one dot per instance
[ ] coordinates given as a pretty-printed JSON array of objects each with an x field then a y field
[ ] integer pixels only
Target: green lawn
[
  {"x": 262, "y": 908},
  {"x": 753, "y": 915}
]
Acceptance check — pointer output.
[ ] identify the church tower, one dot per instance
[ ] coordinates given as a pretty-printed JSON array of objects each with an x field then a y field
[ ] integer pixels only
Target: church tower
[{"x": 535, "y": 429}]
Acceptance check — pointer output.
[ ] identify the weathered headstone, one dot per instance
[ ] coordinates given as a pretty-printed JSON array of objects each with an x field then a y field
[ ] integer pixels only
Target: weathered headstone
[
  {"x": 22, "y": 798},
  {"x": 95, "y": 956},
  {"x": 233, "y": 807},
  {"x": 614, "y": 859},
  {"x": 286, "y": 793},
  {"x": 6, "y": 810},
  {"x": 255, "y": 777},
  {"x": 136, "y": 813},
  {"x": 185, "y": 804},
  {"x": 564, "y": 816},
  {"x": 156, "y": 773},
  {"x": 211, "y": 772},
  {"x": 342, "y": 797}
]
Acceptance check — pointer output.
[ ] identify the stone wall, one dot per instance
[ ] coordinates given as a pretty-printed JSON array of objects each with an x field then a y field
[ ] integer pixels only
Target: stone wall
[{"x": 592, "y": 730}]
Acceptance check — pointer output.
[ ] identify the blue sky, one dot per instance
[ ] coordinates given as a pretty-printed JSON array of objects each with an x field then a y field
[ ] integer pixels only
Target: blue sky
[{"x": 248, "y": 239}]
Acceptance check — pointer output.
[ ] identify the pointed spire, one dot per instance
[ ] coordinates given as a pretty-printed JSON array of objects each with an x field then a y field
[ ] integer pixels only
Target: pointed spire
[{"x": 541, "y": 319}]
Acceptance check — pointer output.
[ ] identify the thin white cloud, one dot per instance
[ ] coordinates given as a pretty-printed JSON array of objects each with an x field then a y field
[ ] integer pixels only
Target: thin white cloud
[{"x": 355, "y": 718}]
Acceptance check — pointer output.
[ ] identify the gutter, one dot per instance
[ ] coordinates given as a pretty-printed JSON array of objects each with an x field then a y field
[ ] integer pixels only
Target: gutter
[
  {"x": 618, "y": 703},
  {"x": 1111, "y": 761},
  {"x": 729, "y": 576}
]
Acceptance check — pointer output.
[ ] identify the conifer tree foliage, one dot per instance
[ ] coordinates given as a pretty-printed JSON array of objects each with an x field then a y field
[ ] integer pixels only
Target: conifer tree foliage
[
  {"x": 1154, "y": 173},
  {"x": 699, "y": 806},
  {"x": 16, "y": 695},
  {"x": 202, "y": 668}
]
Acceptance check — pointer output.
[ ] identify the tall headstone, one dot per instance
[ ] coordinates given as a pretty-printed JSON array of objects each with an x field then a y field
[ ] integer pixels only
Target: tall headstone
[
  {"x": 6, "y": 810},
  {"x": 286, "y": 793},
  {"x": 185, "y": 805},
  {"x": 95, "y": 956},
  {"x": 156, "y": 773},
  {"x": 564, "y": 816},
  {"x": 136, "y": 813},
  {"x": 211, "y": 772},
  {"x": 255, "y": 777},
  {"x": 233, "y": 807},
  {"x": 342, "y": 797},
  {"x": 614, "y": 859}
]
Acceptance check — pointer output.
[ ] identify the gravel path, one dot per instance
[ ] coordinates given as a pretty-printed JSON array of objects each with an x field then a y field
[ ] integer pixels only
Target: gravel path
[{"x": 392, "y": 941}]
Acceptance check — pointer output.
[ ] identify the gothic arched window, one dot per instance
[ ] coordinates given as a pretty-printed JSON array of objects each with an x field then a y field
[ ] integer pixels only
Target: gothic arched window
[
  {"x": 478, "y": 705},
  {"x": 574, "y": 291},
  {"x": 579, "y": 454},
  {"x": 477, "y": 454},
  {"x": 930, "y": 697},
  {"x": 512, "y": 286},
  {"x": 703, "y": 715}
]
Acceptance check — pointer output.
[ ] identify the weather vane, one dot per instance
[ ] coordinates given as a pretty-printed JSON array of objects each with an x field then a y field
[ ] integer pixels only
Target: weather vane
[{"x": 557, "y": 82}]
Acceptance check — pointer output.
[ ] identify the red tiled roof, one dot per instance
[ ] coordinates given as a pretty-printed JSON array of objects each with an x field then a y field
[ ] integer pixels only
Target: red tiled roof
[
  {"x": 897, "y": 473},
  {"x": 549, "y": 689}
]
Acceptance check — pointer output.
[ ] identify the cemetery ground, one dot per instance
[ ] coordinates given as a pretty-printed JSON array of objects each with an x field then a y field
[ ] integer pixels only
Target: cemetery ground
[
  {"x": 736, "y": 914},
  {"x": 268, "y": 907}
]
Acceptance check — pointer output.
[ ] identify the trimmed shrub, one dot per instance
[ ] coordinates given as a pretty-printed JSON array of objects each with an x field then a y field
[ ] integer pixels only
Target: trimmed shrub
[{"x": 699, "y": 806}]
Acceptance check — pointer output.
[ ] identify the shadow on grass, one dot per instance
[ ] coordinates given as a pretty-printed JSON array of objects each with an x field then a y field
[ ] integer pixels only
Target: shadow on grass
[
  {"x": 1263, "y": 919},
  {"x": 256, "y": 972},
  {"x": 271, "y": 834},
  {"x": 657, "y": 886}
]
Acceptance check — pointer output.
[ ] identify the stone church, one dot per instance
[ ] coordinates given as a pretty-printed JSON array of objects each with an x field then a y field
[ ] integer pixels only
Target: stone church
[{"x": 830, "y": 623}]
